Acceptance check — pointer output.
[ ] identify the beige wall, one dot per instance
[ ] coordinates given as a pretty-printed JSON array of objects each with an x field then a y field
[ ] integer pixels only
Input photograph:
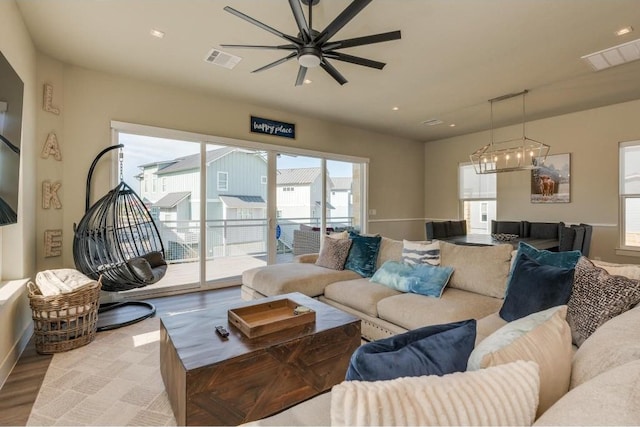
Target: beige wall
[
  {"x": 590, "y": 136},
  {"x": 89, "y": 100},
  {"x": 17, "y": 242}
]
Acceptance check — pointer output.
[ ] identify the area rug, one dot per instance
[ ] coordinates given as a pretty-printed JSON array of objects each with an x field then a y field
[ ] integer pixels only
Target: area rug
[{"x": 114, "y": 380}]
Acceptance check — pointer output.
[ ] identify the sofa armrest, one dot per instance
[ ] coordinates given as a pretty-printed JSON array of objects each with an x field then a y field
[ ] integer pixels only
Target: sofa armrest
[{"x": 306, "y": 258}]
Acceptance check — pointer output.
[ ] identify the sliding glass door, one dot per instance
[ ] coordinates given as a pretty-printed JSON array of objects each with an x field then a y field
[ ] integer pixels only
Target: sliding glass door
[
  {"x": 166, "y": 175},
  {"x": 224, "y": 206},
  {"x": 236, "y": 211}
]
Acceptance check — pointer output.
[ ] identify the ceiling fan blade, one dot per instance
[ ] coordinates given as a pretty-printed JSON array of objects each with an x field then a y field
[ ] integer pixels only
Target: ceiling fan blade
[
  {"x": 298, "y": 14},
  {"x": 355, "y": 60},
  {"x": 341, "y": 20},
  {"x": 333, "y": 72},
  {"x": 261, "y": 25},
  {"x": 359, "y": 41},
  {"x": 253, "y": 46},
  {"x": 302, "y": 72},
  {"x": 278, "y": 62}
]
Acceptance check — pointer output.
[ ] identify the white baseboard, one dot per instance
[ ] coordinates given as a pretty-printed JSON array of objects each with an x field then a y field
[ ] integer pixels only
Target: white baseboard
[{"x": 13, "y": 355}]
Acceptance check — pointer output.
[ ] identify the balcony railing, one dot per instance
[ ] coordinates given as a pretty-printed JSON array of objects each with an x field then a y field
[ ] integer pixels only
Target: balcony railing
[{"x": 233, "y": 237}]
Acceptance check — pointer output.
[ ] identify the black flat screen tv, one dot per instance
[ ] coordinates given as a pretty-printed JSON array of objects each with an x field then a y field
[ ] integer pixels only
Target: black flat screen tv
[{"x": 11, "y": 97}]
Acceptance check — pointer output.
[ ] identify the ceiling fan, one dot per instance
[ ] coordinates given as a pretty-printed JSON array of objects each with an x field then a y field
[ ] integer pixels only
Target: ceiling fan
[{"x": 313, "y": 48}]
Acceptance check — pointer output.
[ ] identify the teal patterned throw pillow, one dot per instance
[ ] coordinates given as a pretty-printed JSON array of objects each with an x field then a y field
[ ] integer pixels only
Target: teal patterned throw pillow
[
  {"x": 363, "y": 254},
  {"x": 421, "y": 279}
]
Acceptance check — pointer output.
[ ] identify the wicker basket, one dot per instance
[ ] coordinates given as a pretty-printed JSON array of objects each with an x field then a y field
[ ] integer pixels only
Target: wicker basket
[{"x": 66, "y": 321}]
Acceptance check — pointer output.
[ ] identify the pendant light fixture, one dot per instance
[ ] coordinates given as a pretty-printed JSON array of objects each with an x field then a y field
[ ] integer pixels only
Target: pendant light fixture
[{"x": 516, "y": 154}]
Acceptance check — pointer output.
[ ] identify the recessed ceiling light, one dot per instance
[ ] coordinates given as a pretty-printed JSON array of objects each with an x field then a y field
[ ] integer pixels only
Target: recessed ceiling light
[
  {"x": 452, "y": 125},
  {"x": 623, "y": 31},
  {"x": 156, "y": 33},
  {"x": 395, "y": 108},
  {"x": 307, "y": 81}
]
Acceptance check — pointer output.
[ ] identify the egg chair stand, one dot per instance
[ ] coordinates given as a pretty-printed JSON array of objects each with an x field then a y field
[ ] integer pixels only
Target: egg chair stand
[{"x": 118, "y": 241}]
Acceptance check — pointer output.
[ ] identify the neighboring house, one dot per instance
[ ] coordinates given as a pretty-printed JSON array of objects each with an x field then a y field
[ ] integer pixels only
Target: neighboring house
[
  {"x": 236, "y": 190},
  {"x": 342, "y": 198},
  {"x": 299, "y": 194},
  {"x": 236, "y": 186}
]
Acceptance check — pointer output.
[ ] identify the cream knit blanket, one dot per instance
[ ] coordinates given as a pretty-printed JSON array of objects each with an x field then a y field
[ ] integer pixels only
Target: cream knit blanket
[{"x": 502, "y": 395}]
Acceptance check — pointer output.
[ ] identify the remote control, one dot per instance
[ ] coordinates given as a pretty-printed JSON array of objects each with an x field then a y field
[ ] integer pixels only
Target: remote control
[{"x": 222, "y": 331}]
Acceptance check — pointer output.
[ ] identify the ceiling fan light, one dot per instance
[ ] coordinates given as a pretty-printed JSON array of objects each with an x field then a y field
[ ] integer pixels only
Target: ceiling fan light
[{"x": 309, "y": 60}]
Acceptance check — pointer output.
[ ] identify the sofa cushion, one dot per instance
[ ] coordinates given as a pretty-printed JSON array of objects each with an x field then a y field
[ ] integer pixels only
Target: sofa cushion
[
  {"x": 334, "y": 253},
  {"x": 390, "y": 250},
  {"x": 542, "y": 337},
  {"x": 432, "y": 350},
  {"x": 309, "y": 279},
  {"x": 363, "y": 254},
  {"x": 597, "y": 297},
  {"x": 613, "y": 344},
  {"x": 479, "y": 269},
  {"x": 421, "y": 252},
  {"x": 535, "y": 287},
  {"x": 412, "y": 311},
  {"x": 611, "y": 398},
  {"x": 360, "y": 294},
  {"x": 488, "y": 325},
  {"x": 503, "y": 395}
]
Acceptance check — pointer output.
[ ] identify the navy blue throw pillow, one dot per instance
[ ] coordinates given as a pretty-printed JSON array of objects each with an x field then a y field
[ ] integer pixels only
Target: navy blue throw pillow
[
  {"x": 363, "y": 254},
  {"x": 535, "y": 287},
  {"x": 432, "y": 350}
]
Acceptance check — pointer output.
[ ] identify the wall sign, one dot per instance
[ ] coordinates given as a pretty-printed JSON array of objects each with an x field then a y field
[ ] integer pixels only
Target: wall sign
[
  {"x": 272, "y": 127},
  {"x": 52, "y": 243},
  {"x": 47, "y": 100}
]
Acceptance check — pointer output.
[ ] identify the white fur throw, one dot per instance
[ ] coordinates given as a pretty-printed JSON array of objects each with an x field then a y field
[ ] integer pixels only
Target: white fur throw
[{"x": 502, "y": 395}]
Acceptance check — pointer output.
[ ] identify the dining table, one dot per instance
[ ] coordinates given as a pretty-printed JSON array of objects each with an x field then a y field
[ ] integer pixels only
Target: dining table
[{"x": 489, "y": 240}]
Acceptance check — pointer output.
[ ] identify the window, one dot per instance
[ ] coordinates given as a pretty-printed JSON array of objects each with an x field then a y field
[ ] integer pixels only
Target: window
[
  {"x": 154, "y": 185},
  {"x": 223, "y": 181},
  {"x": 164, "y": 184},
  {"x": 263, "y": 180},
  {"x": 630, "y": 195},
  {"x": 477, "y": 195},
  {"x": 244, "y": 213},
  {"x": 484, "y": 208}
]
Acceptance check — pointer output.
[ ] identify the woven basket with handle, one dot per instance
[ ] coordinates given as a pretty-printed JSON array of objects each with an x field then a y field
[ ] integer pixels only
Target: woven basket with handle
[{"x": 66, "y": 321}]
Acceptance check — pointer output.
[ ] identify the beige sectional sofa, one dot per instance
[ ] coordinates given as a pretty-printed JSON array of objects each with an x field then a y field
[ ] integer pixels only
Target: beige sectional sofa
[
  {"x": 605, "y": 369},
  {"x": 475, "y": 289}
]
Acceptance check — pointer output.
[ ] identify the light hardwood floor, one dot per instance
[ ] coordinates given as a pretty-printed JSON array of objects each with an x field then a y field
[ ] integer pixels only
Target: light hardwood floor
[{"x": 21, "y": 388}]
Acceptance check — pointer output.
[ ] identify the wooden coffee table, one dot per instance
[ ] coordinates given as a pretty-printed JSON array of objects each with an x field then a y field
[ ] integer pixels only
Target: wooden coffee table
[{"x": 211, "y": 380}]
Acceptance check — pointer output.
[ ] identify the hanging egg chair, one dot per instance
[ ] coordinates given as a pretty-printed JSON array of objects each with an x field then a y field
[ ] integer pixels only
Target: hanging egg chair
[{"x": 118, "y": 241}]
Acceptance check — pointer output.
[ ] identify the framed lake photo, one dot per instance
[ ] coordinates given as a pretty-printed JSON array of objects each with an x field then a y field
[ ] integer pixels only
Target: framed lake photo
[{"x": 551, "y": 181}]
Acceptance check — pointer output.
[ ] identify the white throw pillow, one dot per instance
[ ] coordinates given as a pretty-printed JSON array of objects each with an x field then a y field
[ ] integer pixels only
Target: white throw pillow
[
  {"x": 503, "y": 395},
  {"x": 543, "y": 338},
  {"x": 421, "y": 252}
]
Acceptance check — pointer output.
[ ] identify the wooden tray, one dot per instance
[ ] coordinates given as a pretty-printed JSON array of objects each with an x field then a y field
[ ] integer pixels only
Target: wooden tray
[{"x": 262, "y": 319}]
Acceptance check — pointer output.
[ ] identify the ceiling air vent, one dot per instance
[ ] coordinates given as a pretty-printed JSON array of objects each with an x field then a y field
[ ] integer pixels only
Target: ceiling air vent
[
  {"x": 223, "y": 59},
  {"x": 613, "y": 56},
  {"x": 432, "y": 122}
]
